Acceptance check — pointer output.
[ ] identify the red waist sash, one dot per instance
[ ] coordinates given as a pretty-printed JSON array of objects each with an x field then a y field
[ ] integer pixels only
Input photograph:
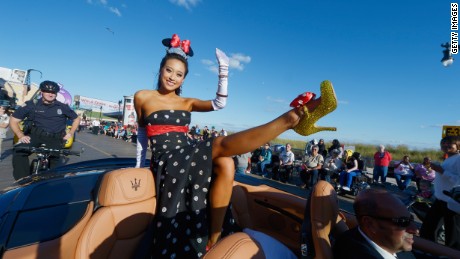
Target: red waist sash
[{"x": 153, "y": 130}]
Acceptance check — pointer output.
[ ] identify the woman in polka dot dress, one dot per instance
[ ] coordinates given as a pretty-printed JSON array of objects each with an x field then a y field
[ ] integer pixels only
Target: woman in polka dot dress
[{"x": 189, "y": 177}]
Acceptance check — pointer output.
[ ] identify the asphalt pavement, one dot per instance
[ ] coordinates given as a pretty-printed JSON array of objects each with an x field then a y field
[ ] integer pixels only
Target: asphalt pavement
[{"x": 95, "y": 147}]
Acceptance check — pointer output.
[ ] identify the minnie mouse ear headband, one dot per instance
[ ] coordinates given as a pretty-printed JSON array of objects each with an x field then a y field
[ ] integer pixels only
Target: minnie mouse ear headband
[{"x": 175, "y": 45}]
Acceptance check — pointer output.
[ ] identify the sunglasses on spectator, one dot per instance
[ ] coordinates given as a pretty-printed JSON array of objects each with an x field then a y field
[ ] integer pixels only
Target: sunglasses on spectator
[{"x": 402, "y": 222}]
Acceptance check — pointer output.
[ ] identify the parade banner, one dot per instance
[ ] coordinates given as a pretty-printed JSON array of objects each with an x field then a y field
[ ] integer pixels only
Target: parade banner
[{"x": 96, "y": 105}]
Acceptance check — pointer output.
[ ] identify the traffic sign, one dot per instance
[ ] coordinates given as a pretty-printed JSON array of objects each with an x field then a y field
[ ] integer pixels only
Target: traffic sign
[{"x": 450, "y": 131}]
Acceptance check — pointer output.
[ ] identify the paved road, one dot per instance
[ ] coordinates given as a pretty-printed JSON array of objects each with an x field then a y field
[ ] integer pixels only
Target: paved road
[
  {"x": 99, "y": 146},
  {"x": 96, "y": 147}
]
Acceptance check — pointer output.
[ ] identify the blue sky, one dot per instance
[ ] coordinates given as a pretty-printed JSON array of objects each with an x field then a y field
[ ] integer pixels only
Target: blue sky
[{"x": 383, "y": 58}]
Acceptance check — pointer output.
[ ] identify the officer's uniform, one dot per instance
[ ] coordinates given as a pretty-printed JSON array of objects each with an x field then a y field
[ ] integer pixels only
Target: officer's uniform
[{"x": 50, "y": 121}]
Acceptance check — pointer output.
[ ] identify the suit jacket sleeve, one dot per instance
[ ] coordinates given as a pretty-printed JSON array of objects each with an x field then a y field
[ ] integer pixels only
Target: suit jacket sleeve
[{"x": 352, "y": 245}]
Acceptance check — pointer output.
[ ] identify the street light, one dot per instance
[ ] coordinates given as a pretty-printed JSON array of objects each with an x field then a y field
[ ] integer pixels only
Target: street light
[
  {"x": 100, "y": 114},
  {"x": 447, "y": 59},
  {"x": 119, "y": 110}
]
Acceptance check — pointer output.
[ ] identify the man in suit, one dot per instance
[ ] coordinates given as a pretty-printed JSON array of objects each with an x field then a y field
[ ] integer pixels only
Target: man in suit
[{"x": 385, "y": 228}]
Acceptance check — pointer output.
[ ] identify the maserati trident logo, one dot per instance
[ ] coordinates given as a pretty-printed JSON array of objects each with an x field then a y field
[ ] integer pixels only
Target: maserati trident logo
[{"x": 136, "y": 184}]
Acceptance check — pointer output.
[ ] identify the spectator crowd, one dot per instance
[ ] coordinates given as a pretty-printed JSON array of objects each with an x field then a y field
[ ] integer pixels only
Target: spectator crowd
[{"x": 128, "y": 133}]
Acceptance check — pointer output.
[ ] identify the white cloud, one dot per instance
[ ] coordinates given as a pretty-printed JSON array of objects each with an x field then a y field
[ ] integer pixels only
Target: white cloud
[
  {"x": 207, "y": 62},
  {"x": 115, "y": 11},
  {"x": 242, "y": 58},
  {"x": 214, "y": 69},
  {"x": 187, "y": 4},
  {"x": 105, "y": 3},
  {"x": 276, "y": 100},
  {"x": 235, "y": 62},
  {"x": 211, "y": 65}
]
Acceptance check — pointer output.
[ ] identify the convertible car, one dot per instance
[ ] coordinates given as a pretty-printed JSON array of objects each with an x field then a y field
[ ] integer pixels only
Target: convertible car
[{"x": 103, "y": 209}]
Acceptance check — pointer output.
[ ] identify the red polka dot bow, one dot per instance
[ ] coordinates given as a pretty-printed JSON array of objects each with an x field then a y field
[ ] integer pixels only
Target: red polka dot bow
[{"x": 184, "y": 45}]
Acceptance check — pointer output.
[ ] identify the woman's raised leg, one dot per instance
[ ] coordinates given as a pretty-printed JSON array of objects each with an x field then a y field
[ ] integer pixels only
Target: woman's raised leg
[{"x": 250, "y": 139}]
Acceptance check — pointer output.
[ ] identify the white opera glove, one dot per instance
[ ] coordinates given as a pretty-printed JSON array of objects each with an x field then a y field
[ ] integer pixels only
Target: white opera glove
[
  {"x": 141, "y": 149},
  {"x": 221, "y": 95}
]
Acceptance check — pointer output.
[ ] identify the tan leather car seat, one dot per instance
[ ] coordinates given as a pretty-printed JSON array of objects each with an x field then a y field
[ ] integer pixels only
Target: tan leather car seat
[
  {"x": 236, "y": 246},
  {"x": 325, "y": 217},
  {"x": 127, "y": 200}
]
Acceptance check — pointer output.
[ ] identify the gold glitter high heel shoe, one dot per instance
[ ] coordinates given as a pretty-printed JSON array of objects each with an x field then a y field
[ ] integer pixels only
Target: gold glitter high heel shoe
[{"x": 328, "y": 104}]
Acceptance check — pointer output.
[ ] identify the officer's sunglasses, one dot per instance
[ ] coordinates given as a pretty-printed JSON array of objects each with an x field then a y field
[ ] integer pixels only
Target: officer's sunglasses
[{"x": 402, "y": 222}]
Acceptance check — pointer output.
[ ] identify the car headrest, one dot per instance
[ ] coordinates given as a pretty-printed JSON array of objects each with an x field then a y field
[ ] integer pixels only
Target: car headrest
[
  {"x": 324, "y": 216},
  {"x": 126, "y": 186}
]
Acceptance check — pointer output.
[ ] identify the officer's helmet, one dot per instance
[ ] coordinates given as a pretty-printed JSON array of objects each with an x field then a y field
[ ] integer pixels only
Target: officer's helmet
[{"x": 49, "y": 86}]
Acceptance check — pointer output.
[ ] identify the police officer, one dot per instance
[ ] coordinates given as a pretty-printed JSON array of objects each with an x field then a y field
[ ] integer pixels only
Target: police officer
[{"x": 49, "y": 117}]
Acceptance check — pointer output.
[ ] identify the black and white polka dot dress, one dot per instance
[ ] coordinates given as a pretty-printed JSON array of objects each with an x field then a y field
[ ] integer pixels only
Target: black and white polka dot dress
[{"x": 184, "y": 173}]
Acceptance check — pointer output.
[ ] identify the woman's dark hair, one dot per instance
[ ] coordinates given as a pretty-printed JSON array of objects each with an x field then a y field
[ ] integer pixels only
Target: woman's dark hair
[
  {"x": 335, "y": 142},
  {"x": 162, "y": 64},
  {"x": 335, "y": 145},
  {"x": 356, "y": 155}
]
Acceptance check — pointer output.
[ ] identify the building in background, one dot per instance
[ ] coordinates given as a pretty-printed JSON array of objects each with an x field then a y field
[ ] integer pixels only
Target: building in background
[{"x": 129, "y": 114}]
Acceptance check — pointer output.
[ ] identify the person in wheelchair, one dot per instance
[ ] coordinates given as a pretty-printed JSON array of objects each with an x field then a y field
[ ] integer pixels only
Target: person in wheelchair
[
  {"x": 265, "y": 158},
  {"x": 310, "y": 169},
  {"x": 351, "y": 170},
  {"x": 286, "y": 165},
  {"x": 424, "y": 173},
  {"x": 404, "y": 172},
  {"x": 332, "y": 165}
]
